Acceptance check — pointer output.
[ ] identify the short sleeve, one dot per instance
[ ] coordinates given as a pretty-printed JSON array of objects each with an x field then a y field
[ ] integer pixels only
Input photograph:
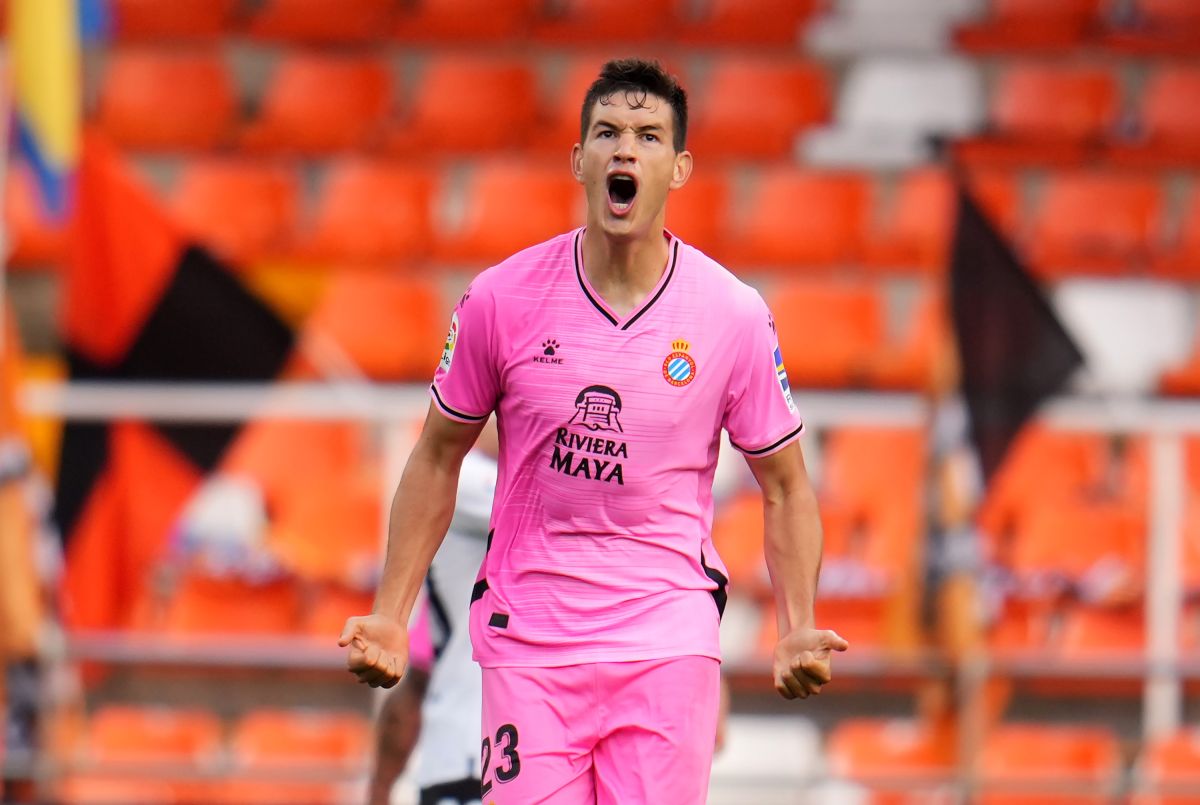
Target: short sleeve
[
  {"x": 760, "y": 415},
  {"x": 466, "y": 384}
]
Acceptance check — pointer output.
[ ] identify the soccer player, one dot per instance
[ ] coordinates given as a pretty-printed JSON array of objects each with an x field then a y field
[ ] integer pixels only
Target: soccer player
[{"x": 612, "y": 355}]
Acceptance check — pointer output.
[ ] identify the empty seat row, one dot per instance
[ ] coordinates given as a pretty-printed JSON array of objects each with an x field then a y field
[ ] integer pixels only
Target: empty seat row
[
  {"x": 713, "y": 23},
  {"x": 153, "y": 99},
  {"x": 1140, "y": 26},
  {"x": 130, "y": 754}
]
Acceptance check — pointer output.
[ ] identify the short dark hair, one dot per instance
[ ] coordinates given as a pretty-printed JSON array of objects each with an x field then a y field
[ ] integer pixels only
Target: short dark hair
[{"x": 637, "y": 78}]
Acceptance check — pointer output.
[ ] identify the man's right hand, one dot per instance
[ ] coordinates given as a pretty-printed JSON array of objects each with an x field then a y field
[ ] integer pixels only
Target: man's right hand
[{"x": 378, "y": 649}]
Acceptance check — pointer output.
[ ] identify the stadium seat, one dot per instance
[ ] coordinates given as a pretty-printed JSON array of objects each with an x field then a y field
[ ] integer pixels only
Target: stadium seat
[
  {"x": 1052, "y": 115},
  {"x": 864, "y": 27},
  {"x": 154, "y": 20},
  {"x": 36, "y": 239},
  {"x": 321, "y": 103},
  {"x": 1168, "y": 27},
  {"x": 468, "y": 105},
  {"x": 492, "y": 227},
  {"x": 457, "y": 21},
  {"x": 305, "y": 745},
  {"x": 241, "y": 209},
  {"x": 1179, "y": 257},
  {"x": 371, "y": 212},
  {"x": 1169, "y": 770},
  {"x": 575, "y": 22},
  {"x": 1014, "y": 25},
  {"x": 697, "y": 212},
  {"x": 167, "y": 100},
  {"x": 559, "y": 113},
  {"x": 912, "y": 361},
  {"x": 1096, "y": 549},
  {"x": 754, "y": 23},
  {"x": 898, "y": 761},
  {"x": 890, "y": 111},
  {"x": 321, "y": 21},
  {"x": 737, "y": 534},
  {"x": 1166, "y": 132},
  {"x": 1036, "y": 764},
  {"x": 914, "y": 232},
  {"x": 798, "y": 219},
  {"x": 131, "y": 742},
  {"x": 753, "y": 108},
  {"x": 868, "y": 468},
  {"x": 209, "y": 605},
  {"x": 845, "y": 318},
  {"x": 1096, "y": 223},
  {"x": 331, "y": 605}
]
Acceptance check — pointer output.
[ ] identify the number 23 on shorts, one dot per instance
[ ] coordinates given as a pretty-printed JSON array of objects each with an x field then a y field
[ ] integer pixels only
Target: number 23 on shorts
[{"x": 508, "y": 764}]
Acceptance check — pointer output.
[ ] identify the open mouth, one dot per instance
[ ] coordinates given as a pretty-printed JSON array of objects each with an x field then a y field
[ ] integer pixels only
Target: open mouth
[{"x": 622, "y": 190}]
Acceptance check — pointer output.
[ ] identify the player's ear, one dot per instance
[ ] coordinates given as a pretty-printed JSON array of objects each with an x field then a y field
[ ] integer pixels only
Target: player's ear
[
  {"x": 683, "y": 169},
  {"x": 577, "y": 162}
]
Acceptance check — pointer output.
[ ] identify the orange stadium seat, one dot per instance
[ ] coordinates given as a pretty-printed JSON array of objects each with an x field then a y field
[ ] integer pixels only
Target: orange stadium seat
[
  {"x": 131, "y": 741},
  {"x": 1030, "y": 25},
  {"x": 559, "y": 117},
  {"x": 1055, "y": 115},
  {"x": 913, "y": 361},
  {"x": 207, "y": 605},
  {"x": 468, "y": 104},
  {"x": 737, "y": 535},
  {"x": 300, "y": 744},
  {"x": 846, "y": 319},
  {"x": 240, "y": 209},
  {"x": 389, "y": 327},
  {"x": 1042, "y": 764},
  {"x": 494, "y": 227},
  {"x": 697, "y": 212},
  {"x": 1061, "y": 541},
  {"x": 162, "y": 100},
  {"x": 796, "y": 218},
  {"x": 321, "y": 21},
  {"x": 1101, "y": 634},
  {"x": 573, "y": 22},
  {"x": 901, "y": 762},
  {"x": 915, "y": 230},
  {"x": 753, "y": 108},
  {"x": 35, "y": 237},
  {"x": 1159, "y": 27},
  {"x": 322, "y": 103},
  {"x": 866, "y": 468},
  {"x": 1180, "y": 257},
  {"x": 748, "y": 22},
  {"x": 457, "y": 21},
  {"x": 331, "y": 605},
  {"x": 1169, "y": 768},
  {"x": 371, "y": 212},
  {"x": 1167, "y": 132},
  {"x": 180, "y": 19},
  {"x": 1096, "y": 223}
]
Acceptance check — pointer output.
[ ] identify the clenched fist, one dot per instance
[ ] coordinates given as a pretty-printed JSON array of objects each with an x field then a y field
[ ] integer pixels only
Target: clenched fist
[
  {"x": 802, "y": 661},
  {"x": 378, "y": 649}
]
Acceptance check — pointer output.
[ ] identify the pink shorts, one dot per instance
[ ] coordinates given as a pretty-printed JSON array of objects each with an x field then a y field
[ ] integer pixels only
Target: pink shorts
[{"x": 610, "y": 732}]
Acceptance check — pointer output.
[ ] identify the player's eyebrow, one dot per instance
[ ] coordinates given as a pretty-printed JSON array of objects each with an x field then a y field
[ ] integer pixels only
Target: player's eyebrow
[{"x": 605, "y": 124}]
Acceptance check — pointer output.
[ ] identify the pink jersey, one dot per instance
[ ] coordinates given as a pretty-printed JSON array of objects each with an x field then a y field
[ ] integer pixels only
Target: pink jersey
[{"x": 609, "y": 429}]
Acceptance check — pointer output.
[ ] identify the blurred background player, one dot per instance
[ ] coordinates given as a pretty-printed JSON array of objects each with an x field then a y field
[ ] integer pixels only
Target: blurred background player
[{"x": 601, "y": 676}]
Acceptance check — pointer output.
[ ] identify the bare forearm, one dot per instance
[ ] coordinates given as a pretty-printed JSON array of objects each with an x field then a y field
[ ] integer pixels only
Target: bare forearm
[
  {"x": 793, "y": 552},
  {"x": 421, "y": 511}
]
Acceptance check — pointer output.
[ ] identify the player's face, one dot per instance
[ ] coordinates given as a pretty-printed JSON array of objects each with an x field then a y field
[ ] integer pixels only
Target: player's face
[{"x": 627, "y": 164}]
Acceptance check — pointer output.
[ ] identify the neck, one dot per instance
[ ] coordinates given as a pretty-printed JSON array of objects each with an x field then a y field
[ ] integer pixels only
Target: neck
[{"x": 623, "y": 270}]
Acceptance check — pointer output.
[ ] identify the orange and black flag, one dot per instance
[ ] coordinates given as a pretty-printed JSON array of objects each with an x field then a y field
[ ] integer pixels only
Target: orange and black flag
[
  {"x": 142, "y": 303},
  {"x": 1014, "y": 351}
]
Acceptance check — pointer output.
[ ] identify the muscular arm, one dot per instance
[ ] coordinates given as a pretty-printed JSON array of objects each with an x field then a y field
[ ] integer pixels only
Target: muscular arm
[
  {"x": 792, "y": 534},
  {"x": 421, "y": 511},
  {"x": 420, "y": 514},
  {"x": 793, "y": 551}
]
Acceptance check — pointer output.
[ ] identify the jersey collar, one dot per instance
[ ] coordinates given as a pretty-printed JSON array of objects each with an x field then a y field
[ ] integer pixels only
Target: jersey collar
[{"x": 598, "y": 303}]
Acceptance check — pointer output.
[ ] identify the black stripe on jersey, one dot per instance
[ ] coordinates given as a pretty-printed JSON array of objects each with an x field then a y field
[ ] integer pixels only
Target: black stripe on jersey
[
  {"x": 769, "y": 447},
  {"x": 663, "y": 287},
  {"x": 478, "y": 590},
  {"x": 437, "y": 608},
  {"x": 583, "y": 285},
  {"x": 442, "y": 404},
  {"x": 721, "y": 594}
]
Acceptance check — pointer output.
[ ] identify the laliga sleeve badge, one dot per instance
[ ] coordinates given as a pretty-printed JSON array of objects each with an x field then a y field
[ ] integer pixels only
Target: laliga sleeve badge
[
  {"x": 451, "y": 340},
  {"x": 678, "y": 368}
]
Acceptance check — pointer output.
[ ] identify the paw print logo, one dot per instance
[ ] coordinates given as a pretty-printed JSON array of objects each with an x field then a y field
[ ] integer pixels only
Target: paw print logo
[{"x": 549, "y": 346}]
